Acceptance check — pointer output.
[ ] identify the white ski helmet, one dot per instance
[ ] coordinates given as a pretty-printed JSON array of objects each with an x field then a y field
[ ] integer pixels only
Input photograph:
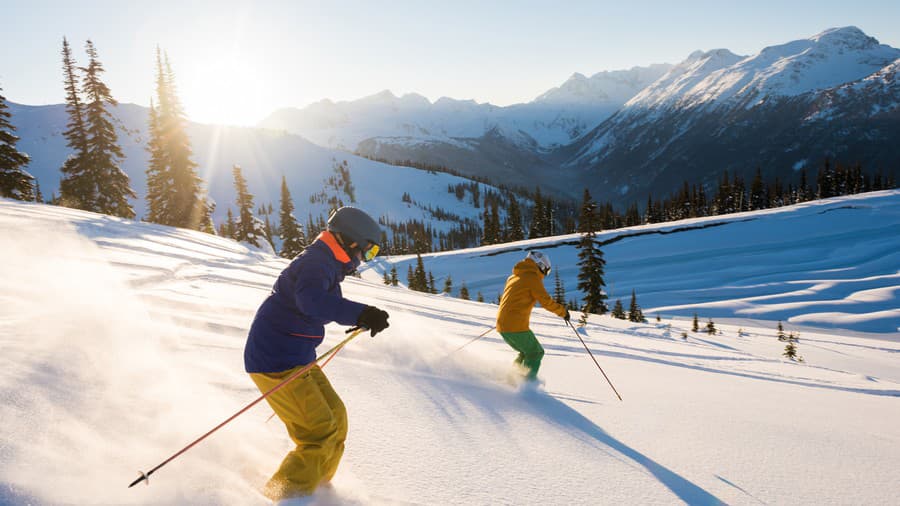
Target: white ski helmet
[{"x": 542, "y": 261}]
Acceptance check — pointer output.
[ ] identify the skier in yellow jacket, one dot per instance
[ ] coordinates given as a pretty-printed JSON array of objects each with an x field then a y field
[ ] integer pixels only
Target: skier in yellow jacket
[{"x": 523, "y": 289}]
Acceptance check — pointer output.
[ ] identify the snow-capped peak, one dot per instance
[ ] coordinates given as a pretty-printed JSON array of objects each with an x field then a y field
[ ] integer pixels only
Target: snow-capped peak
[
  {"x": 833, "y": 57},
  {"x": 603, "y": 87}
]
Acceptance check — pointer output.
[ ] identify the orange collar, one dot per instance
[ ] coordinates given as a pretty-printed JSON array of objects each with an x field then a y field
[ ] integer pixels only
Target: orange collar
[{"x": 331, "y": 241}]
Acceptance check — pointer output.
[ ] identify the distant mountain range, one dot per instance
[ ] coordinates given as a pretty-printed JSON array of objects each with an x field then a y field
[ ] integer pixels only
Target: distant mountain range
[
  {"x": 627, "y": 133},
  {"x": 622, "y": 134}
]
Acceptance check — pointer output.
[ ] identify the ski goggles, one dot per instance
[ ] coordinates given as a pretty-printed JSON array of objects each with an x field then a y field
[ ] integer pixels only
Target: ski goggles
[{"x": 371, "y": 251}]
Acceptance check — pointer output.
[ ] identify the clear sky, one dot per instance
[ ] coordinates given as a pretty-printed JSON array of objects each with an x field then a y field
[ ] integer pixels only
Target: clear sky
[{"x": 237, "y": 61}]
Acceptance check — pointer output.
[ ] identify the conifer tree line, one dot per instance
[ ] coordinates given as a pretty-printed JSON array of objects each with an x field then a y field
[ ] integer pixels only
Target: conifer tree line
[{"x": 733, "y": 195}]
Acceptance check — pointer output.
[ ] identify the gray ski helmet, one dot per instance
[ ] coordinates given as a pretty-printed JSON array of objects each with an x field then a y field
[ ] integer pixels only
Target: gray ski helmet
[
  {"x": 542, "y": 261},
  {"x": 355, "y": 226}
]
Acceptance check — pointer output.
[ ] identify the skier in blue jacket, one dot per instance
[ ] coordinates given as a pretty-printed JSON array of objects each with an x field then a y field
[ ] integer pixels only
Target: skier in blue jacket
[{"x": 288, "y": 326}]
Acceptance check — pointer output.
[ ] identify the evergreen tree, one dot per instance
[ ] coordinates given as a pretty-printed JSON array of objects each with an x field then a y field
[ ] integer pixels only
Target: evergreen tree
[
  {"x": 431, "y": 287},
  {"x": 479, "y": 297},
  {"x": 394, "y": 280},
  {"x": 464, "y": 292},
  {"x": 386, "y": 279},
  {"x": 780, "y": 334},
  {"x": 292, "y": 239},
  {"x": 230, "y": 227},
  {"x": 634, "y": 310},
  {"x": 110, "y": 183},
  {"x": 75, "y": 187},
  {"x": 38, "y": 196},
  {"x": 696, "y": 325},
  {"x": 410, "y": 277},
  {"x": 591, "y": 262},
  {"x": 549, "y": 219},
  {"x": 249, "y": 228},
  {"x": 758, "y": 198},
  {"x": 538, "y": 215},
  {"x": 618, "y": 310},
  {"x": 420, "y": 277},
  {"x": 711, "y": 327},
  {"x": 15, "y": 182},
  {"x": 559, "y": 290},
  {"x": 514, "y": 221},
  {"x": 448, "y": 285},
  {"x": 174, "y": 190},
  {"x": 790, "y": 350}
]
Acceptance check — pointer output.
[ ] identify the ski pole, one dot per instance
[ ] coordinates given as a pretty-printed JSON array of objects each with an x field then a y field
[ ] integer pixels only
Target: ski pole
[
  {"x": 595, "y": 360},
  {"x": 486, "y": 332},
  {"x": 331, "y": 352}
]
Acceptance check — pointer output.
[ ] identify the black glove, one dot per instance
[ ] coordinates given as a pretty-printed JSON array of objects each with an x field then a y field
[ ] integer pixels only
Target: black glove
[
  {"x": 373, "y": 319},
  {"x": 567, "y": 317}
]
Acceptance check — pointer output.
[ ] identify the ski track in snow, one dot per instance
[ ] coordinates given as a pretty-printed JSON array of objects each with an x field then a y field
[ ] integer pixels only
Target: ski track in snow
[{"x": 123, "y": 342}]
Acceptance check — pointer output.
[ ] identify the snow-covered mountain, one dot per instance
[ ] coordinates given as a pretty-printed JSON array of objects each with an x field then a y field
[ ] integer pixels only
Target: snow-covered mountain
[
  {"x": 556, "y": 117},
  {"x": 122, "y": 343},
  {"x": 265, "y": 156},
  {"x": 787, "y": 107},
  {"x": 501, "y": 143}
]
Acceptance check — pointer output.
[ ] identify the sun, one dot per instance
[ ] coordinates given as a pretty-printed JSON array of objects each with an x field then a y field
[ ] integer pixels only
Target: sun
[{"x": 226, "y": 91}]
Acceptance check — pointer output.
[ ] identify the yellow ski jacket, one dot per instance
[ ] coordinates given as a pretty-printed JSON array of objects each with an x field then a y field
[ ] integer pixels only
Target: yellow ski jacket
[{"x": 523, "y": 289}]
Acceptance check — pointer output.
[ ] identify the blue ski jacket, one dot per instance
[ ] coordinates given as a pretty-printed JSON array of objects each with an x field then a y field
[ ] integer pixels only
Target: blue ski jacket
[{"x": 290, "y": 323}]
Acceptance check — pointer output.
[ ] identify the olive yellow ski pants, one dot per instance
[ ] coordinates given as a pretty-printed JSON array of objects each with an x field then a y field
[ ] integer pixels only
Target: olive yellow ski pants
[{"x": 316, "y": 421}]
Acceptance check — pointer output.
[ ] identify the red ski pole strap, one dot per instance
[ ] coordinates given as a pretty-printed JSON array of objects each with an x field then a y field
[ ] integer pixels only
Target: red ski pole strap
[{"x": 331, "y": 352}]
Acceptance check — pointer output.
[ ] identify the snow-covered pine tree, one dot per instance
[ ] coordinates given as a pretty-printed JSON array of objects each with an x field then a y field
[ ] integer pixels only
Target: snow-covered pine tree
[
  {"x": 696, "y": 325},
  {"x": 710, "y": 327},
  {"x": 292, "y": 240},
  {"x": 618, "y": 311},
  {"x": 410, "y": 277},
  {"x": 249, "y": 228},
  {"x": 75, "y": 187},
  {"x": 463, "y": 292},
  {"x": 635, "y": 313},
  {"x": 431, "y": 287},
  {"x": 15, "y": 182},
  {"x": 591, "y": 262},
  {"x": 479, "y": 297},
  {"x": 394, "y": 280},
  {"x": 386, "y": 279},
  {"x": 174, "y": 190},
  {"x": 780, "y": 333}
]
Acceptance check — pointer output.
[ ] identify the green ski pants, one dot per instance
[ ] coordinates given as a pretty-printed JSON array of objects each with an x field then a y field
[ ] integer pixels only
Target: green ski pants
[{"x": 530, "y": 351}]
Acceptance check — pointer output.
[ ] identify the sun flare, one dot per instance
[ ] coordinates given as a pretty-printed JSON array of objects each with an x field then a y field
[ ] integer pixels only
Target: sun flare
[{"x": 226, "y": 91}]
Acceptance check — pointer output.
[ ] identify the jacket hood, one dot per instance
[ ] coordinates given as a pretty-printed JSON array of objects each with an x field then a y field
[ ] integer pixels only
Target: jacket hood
[{"x": 525, "y": 266}]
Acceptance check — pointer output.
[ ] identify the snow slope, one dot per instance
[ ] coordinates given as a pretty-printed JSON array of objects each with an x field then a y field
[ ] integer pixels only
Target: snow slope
[
  {"x": 123, "y": 341},
  {"x": 264, "y": 157},
  {"x": 830, "y": 263}
]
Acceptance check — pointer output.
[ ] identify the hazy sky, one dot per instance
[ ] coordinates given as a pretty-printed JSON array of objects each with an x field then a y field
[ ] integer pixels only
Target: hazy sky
[{"x": 236, "y": 62}]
